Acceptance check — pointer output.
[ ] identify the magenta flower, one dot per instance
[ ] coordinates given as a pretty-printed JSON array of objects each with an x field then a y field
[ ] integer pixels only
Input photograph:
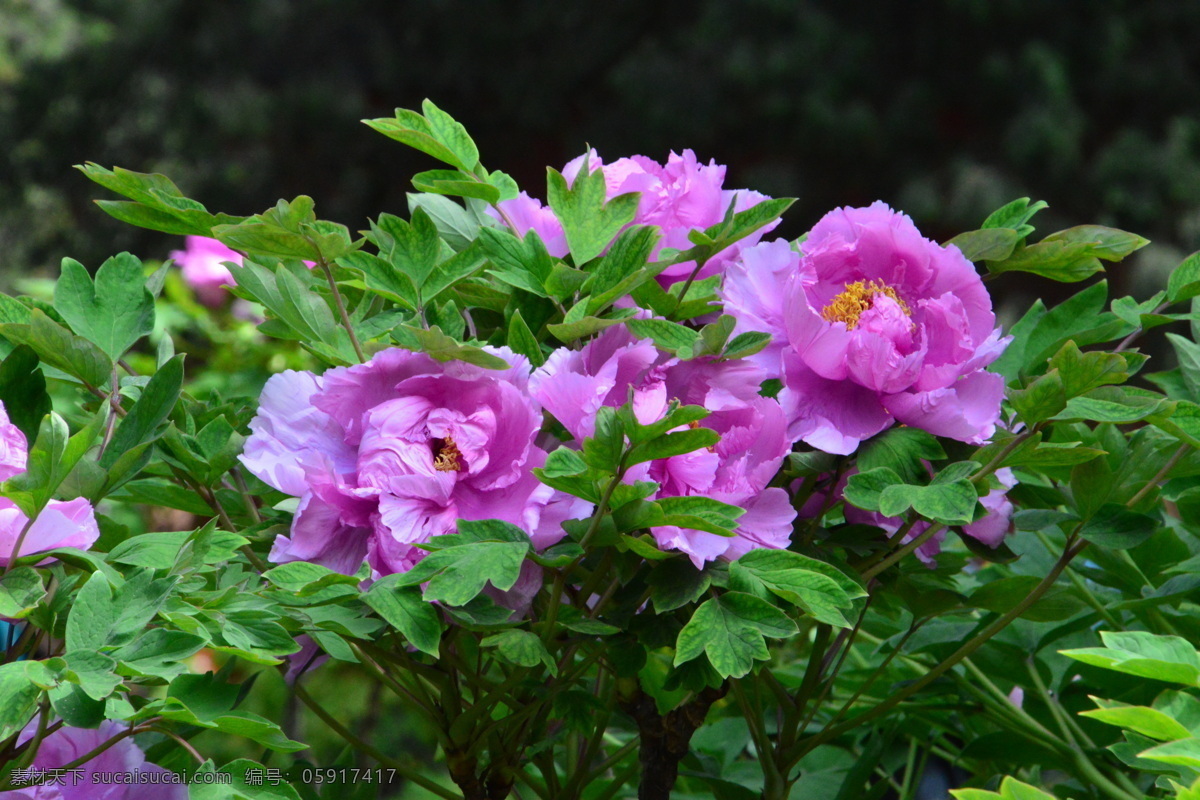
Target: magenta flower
[
  {"x": 202, "y": 263},
  {"x": 526, "y": 214},
  {"x": 873, "y": 324},
  {"x": 94, "y": 780},
  {"x": 680, "y": 196},
  {"x": 388, "y": 454},
  {"x": 573, "y": 385},
  {"x": 62, "y": 523}
]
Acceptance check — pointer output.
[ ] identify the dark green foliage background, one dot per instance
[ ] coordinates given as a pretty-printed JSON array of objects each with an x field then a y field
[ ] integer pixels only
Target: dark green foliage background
[{"x": 946, "y": 109}]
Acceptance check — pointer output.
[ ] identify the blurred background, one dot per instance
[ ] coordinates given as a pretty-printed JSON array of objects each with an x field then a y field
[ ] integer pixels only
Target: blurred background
[{"x": 946, "y": 109}]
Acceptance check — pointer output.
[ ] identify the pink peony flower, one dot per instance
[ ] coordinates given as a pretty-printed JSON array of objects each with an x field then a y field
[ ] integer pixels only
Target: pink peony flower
[
  {"x": 680, "y": 196},
  {"x": 94, "y": 779},
  {"x": 388, "y": 454},
  {"x": 873, "y": 323},
  {"x": 62, "y": 523},
  {"x": 202, "y": 264},
  {"x": 573, "y": 385}
]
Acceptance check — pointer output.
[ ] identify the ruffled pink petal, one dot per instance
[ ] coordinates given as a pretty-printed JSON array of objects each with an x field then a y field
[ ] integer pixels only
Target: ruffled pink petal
[
  {"x": 992, "y": 529},
  {"x": 766, "y": 523},
  {"x": 319, "y": 535},
  {"x": 833, "y": 416},
  {"x": 968, "y": 410},
  {"x": 289, "y": 433},
  {"x": 700, "y": 546}
]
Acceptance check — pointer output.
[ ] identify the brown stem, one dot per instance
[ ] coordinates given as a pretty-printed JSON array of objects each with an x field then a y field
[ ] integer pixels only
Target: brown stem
[{"x": 664, "y": 738}]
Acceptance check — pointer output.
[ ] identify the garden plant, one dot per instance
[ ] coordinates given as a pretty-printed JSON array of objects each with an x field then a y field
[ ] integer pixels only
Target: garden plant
[{"x": 608, "y": 495}]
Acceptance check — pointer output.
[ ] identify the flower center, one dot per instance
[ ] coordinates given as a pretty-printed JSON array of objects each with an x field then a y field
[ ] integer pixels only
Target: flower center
[
  {"x": 858, "y": 297},
  {"x": 446, "y": 455}
]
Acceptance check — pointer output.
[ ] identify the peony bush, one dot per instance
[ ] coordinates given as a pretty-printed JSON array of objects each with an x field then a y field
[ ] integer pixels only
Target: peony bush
[{"x": 607, "y": 494}]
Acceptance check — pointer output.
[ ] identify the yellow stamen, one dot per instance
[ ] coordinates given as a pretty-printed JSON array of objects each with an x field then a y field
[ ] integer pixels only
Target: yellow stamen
[
  {"x": 446, "y": 455},
  {"x": 858, "y": 297}
]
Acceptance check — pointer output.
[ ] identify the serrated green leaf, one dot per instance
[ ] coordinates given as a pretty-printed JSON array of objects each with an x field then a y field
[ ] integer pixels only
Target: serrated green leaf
[
  {"x": 730, "y": 630},
  {"x": 115, "y": 311},
  {"x": 589, "y": 220}
]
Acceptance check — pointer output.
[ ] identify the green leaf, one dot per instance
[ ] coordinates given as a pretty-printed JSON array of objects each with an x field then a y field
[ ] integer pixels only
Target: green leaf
[
  {"x": 521, "y": 340},
  {"x": 1185, "y": 752},
  {"x": 987, "y": 244},
  {"x": 675, "y": 583},
  {"x": 817, "y": 588},
  {"x": 902, "y": 450},
  {"x": 381, "y": 278},
  {"x": 563, "y": 462},
  {"x": 1146, "y": 721},
  {"x": 92, "y": 616},
  {"x": 746, "y": 344},
  {"x": 302, "y": 577},
  {"x": 523, "y": 263},
  {"x": 1110, "y": 404},
  {"x": 162, "y": 550},
  {"x": 440, "y": 136},
  {"x": 453, "y": 182},
  {"x": 1184, "y": 282},
  {"x": 441, "y": 347},
  {"x": 457, "y": 574},
  {"x": 457, "y": 226},
  {"x": 21, "y": 589},
  {"x": 1081, "y": 372},
  {"x": 729, "y": 629},
  {"x": 115, "y": 311},
  {"x": 45, "y": 467},
  {"x": 23, "y": 390},
  {"x": 405, "y": 610},
  {"x": 18, "y": 698},
  {"x": 952, "y": 503},
  {"x": 1010, "y": 789},
  {"x": 1040, "y": 400},
  {"x": 137, "y": 602},
  {"x": 521, "y": 648},
  {"x": 670, "y": 336},
  {"x": 1188, "y": 354},
  {"x": 1145, "y": 655},
  {"x": 567, "y": 332},
  {"x": 60, "y": 348},
  {"x": 1015, "y": 215},
  {"x": 260, "y": 238},
  {"x": 1062, "y": 261},
  {"x": 143, "y": 422},
  {"x": 673, "y": 444},
  {"x": 449, "y": 132},
  {"x": 450, "y": 272},
  {"x": 864, "y": 489},
  {"x": 1116, "y": 527},
  {"x": 1109, "y": 244},
  {"x": 589, "y": 222},
  {"x": 93, "y": 672},
  {"x": 629, "y": 253},
  {"x": 1001, "y": 596},
  {"x": 413, "y": 248}
]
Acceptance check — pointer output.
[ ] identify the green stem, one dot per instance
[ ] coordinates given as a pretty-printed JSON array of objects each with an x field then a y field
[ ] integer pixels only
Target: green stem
[
  {"x": 341, "y": 307},
  {"x": 775, "y": 784},
  {"x": 936, "y": 672},
  {"x": 903, "y": 551},
  {"x": 409, "y": 773}
]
